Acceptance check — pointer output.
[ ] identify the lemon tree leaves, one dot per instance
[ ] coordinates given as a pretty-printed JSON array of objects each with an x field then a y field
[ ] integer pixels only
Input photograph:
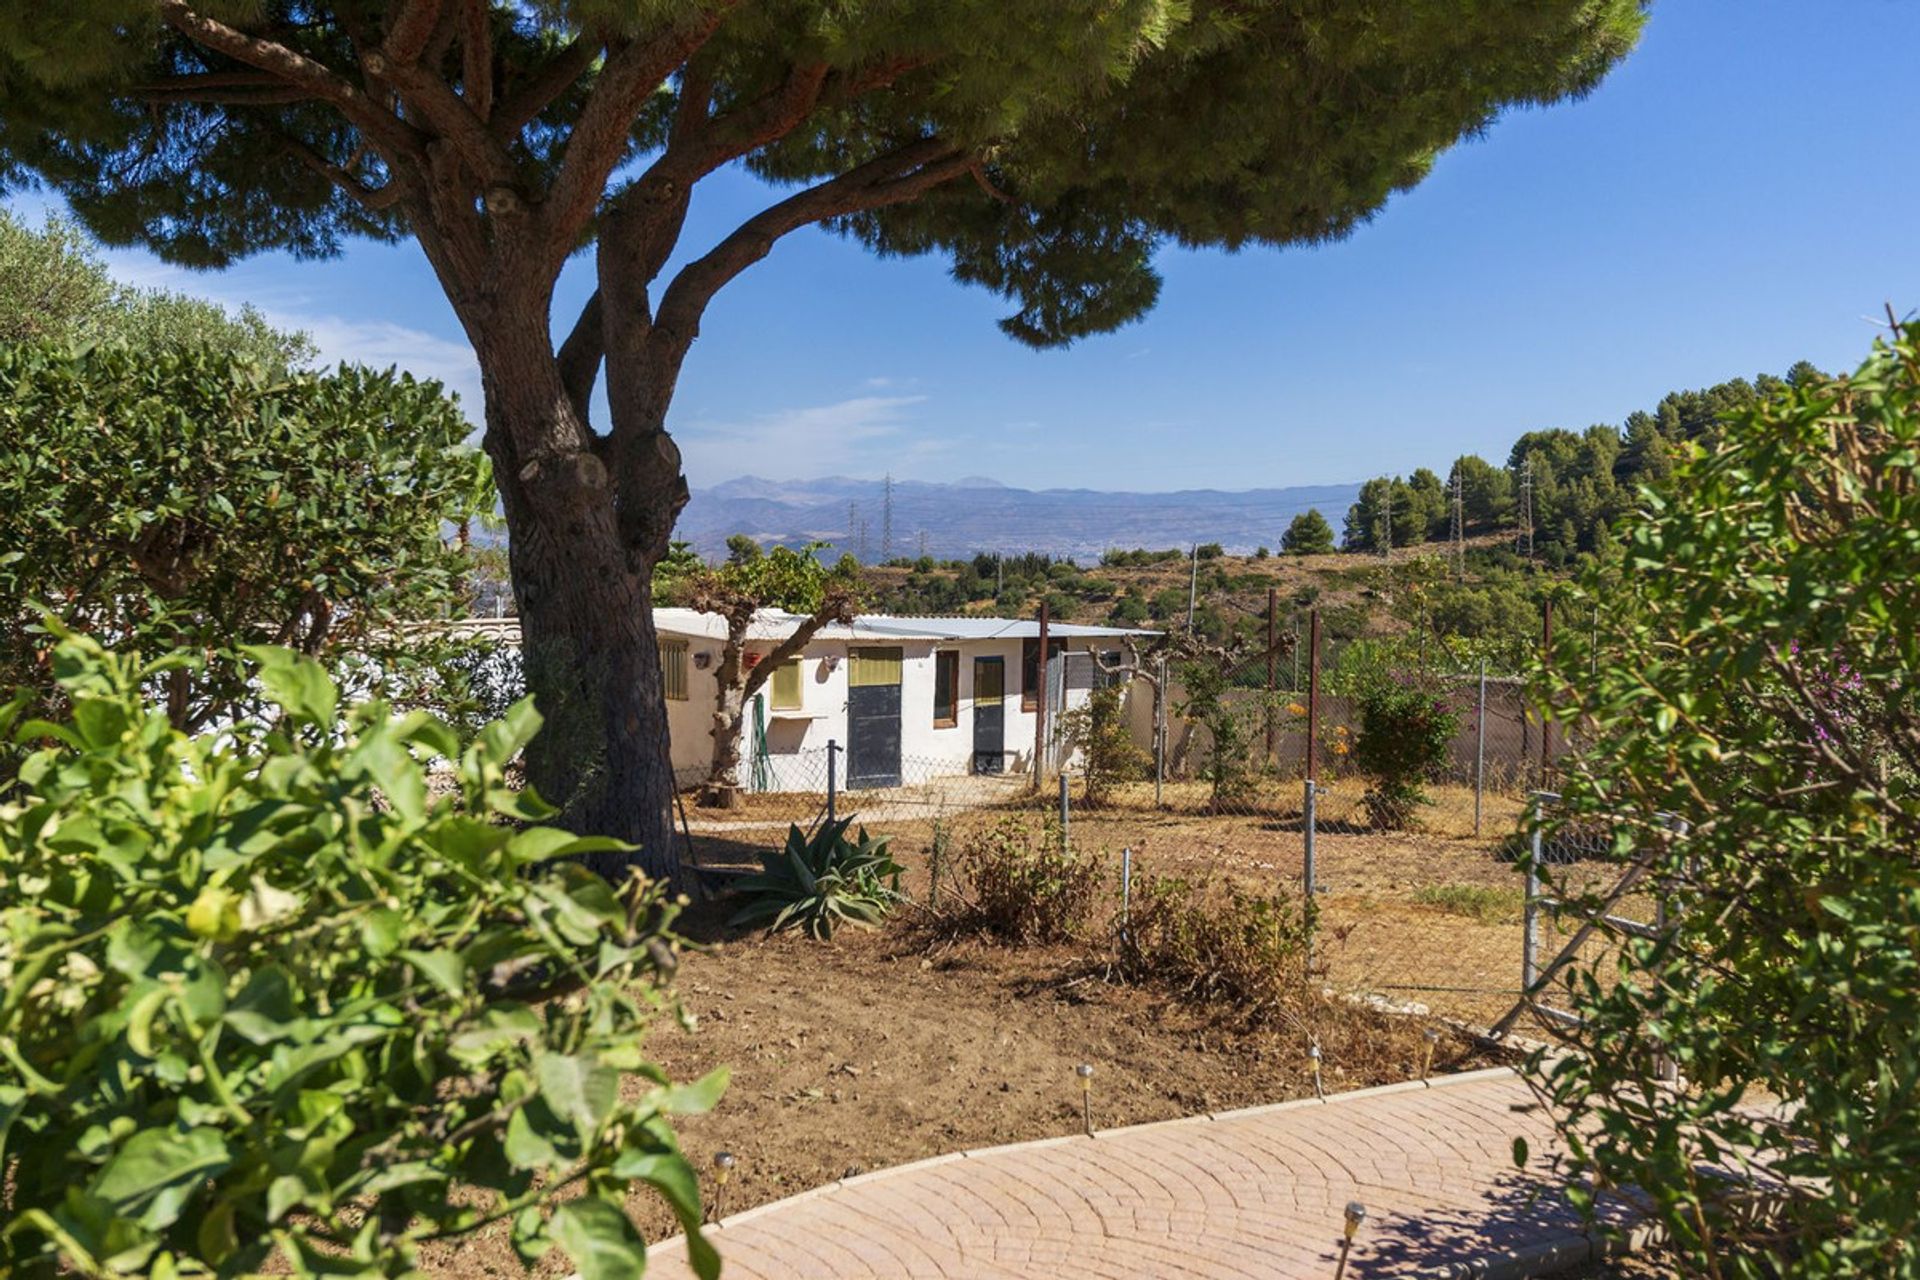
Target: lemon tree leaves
[{"x": 272, "y": 991}]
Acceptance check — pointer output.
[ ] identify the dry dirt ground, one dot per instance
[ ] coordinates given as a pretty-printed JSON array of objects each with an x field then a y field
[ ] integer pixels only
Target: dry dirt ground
[
  {"x": 1430, "y": 916},
  {"x": 880, "y": 1048},
  {"x": 883, "y": 1047}
]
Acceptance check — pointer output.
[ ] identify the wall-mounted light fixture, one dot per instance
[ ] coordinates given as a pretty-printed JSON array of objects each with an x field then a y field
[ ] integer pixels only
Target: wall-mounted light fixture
[{"x": 702, "y": 660}]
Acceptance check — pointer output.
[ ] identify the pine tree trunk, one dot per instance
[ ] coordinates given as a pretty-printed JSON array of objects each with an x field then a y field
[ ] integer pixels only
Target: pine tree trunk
[{"x": 585, "y": 599}]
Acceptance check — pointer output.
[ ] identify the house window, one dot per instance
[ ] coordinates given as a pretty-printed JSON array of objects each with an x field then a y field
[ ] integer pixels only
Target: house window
[
  {"x": 946, "y": 688},
  {"x": 673, "y": 668},
  {"x": 1030, "y": 673},
  {"x": 786, "y": 686}
]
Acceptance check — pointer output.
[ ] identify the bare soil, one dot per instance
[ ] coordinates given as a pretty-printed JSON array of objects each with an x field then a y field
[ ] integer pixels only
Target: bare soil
[{"x": 880, "y": 1048}]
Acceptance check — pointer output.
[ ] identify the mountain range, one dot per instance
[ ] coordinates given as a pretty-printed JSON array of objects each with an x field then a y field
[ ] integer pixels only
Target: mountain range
[{"x": 976, "y": 514}]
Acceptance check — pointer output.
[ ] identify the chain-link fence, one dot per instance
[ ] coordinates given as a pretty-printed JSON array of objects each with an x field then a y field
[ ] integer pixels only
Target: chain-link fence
[
  {"x": 1427, "y": 912},
  {"x": 1422, "y": 900}
]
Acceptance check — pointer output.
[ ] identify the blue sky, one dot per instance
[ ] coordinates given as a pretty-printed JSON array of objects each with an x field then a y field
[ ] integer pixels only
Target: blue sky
[{"x": 1737, "y": 196}]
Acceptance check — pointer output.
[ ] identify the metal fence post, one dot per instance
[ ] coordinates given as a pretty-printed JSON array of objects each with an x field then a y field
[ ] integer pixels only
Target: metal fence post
[
  {"x": 1480, "y": 752},
  {"x": 1066, "y": 810},
  {"x": 1308, "y": 809},
  {"x": 1530, "y": 928},
  {"x": 1160, "y": 734},
  {"x": 833, "y": 750},
  {"x": 1126, "y": 886}
]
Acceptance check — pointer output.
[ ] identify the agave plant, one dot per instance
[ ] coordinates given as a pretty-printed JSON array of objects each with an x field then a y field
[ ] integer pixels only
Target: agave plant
[{"x": 816, "y": 883}]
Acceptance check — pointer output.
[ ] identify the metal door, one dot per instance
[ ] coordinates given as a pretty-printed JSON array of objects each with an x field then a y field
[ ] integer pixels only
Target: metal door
[
  {"x": 989, "y": 715},
  {"x": 873, "y": 718}
]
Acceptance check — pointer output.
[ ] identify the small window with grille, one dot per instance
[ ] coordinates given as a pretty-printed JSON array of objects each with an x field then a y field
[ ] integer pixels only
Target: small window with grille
[{"x": 673, "y": 668}]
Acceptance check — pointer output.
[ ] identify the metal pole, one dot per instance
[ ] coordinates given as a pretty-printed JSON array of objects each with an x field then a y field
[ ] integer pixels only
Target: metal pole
[
  {"x": 1160, "y": 733},
  {"x": 1066, "y": 806},
  {"x": 1313, "y": 689},
  {"x": 1193, "y": 583},
  {"x": 1040, "y": 700},
  {"x": 1546, "y": 660},
  {"x": 1530, "y": 926},
  {"x": 1480, "y": 751},
  {"x": 1126, "y": 885},
  {"x": 833, "y": 749},
  {"x": 1307, "y": 871},
  {"x": 1273, "y": 663}
]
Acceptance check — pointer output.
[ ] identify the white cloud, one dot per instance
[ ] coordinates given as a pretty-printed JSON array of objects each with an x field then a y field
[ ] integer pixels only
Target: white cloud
[
  {"x": 865, "y": 434},
  {"x": 381, "y": 343}
]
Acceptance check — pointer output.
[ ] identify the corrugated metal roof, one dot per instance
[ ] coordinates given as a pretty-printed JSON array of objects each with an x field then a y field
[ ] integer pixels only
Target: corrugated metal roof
[{"x": 776, "y": 625}]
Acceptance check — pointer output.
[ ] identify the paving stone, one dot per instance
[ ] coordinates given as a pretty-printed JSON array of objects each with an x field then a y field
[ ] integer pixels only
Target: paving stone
[{"x": 1258, "y": 1193}]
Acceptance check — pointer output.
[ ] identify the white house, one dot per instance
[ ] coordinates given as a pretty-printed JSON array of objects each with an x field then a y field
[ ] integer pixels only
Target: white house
[{"x": 905, "y": 698}]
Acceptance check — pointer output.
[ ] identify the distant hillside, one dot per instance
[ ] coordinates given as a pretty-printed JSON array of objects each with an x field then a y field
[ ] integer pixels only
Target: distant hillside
[{"x": 978, "y": 514}]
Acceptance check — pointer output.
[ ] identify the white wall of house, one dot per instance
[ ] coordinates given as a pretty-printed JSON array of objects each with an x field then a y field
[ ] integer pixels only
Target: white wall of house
[{"x": 797, "y": 739}]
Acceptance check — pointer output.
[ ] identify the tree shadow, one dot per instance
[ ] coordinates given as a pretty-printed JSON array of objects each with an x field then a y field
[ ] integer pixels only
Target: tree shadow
[{"x": 1520, "y": 1216}]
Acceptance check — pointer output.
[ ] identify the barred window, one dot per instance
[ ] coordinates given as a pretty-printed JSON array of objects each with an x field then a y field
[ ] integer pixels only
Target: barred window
[{"x": 673, "y": 668}]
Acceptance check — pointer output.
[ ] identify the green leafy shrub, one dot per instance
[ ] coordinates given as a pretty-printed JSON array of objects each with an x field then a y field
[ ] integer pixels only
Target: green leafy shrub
[
  {"x": 1212, "y": 944},
  {"x": 1018, "y": 884},
  {"x": 1097, "y": 733},
  {"x": 264, "y": 994},
  {"x": 1405, "y": 732},
  {"x": 1228, "y": 759},
  {"x": 185, "y": 499},
  {"x": 1757, "y": 671},
  {"x": 816, "y": 884}
]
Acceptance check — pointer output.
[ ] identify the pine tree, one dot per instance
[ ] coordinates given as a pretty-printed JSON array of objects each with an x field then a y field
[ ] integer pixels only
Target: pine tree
[{"x": 1045, "y": 150}]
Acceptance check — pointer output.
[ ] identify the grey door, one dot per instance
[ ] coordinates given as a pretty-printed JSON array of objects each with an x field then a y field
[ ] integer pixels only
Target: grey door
[
  {"x": 873, "y": 718},
  {"x": 989, "y": 715}
]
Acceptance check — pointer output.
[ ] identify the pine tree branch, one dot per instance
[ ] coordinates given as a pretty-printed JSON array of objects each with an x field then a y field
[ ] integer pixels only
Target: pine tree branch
[
  {"x": 372, "y": 199},
  {"x": 581, "y": 353},
  {"x": 295, "y": 69},
  {"x": 411, "y": 31},
  {"x": 537, "y": 91},
  {"x": 900, "y": 176},
  {"x": 603, "y": 131},
  {"x": 476, "y": 57}
]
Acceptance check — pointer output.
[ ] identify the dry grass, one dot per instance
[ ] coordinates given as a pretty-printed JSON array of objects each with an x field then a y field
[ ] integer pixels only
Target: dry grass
[{"x": 1430, "y": 916}]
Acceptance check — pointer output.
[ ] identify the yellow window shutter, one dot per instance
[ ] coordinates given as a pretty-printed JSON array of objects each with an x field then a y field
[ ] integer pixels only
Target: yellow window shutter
[
  {"x": 874, "y": 666},
  {"x": 786, "y": 686}
]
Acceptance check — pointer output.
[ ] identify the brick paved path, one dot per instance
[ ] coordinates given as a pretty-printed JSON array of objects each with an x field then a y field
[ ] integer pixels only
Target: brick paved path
[{"x": 1255, "y": 1193}]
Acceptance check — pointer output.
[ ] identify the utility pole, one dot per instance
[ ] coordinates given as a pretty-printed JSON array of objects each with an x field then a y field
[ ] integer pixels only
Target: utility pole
[
  {"x": 1459, "y": 523},
  {"x": 1193, "y": 584},
  {"x": 999, "y": 577},
  {"x": 863, "y": 542},
  {"x": 1523, "y": 542},
  {"x": 923, "y": 542},
  {"x": 1040, "y": 700},
  {"x": 886, "y": 520},
  {"x": 1273, "y": 665},
  {"x": 853, "y": 521}
]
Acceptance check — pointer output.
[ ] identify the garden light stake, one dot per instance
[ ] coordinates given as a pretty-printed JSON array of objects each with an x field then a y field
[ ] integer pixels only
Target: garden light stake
[
  {"x": 722, "y": 1168},
  {"x": 1356, "y": 1214},
  {"x": 1085, "y": 1072}
]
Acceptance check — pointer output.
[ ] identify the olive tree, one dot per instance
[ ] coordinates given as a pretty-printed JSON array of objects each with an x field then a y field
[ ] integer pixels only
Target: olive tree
[{"x": 1047, "y": 150}]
